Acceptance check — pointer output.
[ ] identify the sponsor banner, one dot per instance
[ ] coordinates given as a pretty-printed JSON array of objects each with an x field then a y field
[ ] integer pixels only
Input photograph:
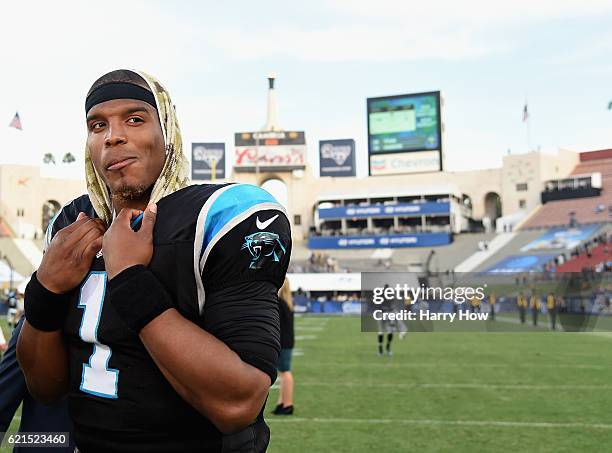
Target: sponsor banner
[
  {"x": 206, "y": 157},
  {"x": 379, "y": 241},
  {"x": 561, "y": 238},
  {"x": 283, "y": 157},
  {"x": 351, "y": 307},
  {"x": 272, "y": 138},
  {"x": 400, "y": 209},
  {"x": 520, "y": 263},
  {"x": 270, "y": 151},
  {"x": 337, "y": 157},
  {"x": 409, "y": 162}
]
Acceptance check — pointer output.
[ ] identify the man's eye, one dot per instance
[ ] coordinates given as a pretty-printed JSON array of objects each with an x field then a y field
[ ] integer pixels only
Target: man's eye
[
  {"x": 97, "y": 125},
  {"x": 135, "y": 119}
]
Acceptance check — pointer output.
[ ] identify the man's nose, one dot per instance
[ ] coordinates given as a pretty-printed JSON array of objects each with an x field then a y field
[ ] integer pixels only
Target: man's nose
[{"x": 115, "y": 135}]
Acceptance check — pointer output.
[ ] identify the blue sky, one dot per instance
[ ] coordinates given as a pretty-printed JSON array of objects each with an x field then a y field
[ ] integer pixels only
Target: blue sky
[{"x": 329, "y": 57}]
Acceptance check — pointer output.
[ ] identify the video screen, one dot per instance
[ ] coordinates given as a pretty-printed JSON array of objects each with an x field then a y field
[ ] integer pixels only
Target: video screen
[{"x": 404, "y": 123}]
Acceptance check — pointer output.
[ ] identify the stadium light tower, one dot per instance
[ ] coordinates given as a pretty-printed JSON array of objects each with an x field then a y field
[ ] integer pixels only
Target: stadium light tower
[
  {"x": 271, "y": 126},
  {"x": 271, "y": 119}
]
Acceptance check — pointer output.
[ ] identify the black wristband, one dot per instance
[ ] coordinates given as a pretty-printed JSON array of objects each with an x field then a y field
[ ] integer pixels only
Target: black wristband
[
  {"x": 44, "y": 309},
  {"x": 138, "y": 296}
]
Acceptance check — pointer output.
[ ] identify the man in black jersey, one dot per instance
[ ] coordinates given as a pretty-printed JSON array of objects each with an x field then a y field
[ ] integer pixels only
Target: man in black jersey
[{"x": 155, "y": 306}]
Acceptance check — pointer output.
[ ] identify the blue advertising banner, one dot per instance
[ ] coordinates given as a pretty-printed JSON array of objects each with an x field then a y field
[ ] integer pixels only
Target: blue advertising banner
[
  {"x": 561, "y": 238},
  {"x": 518, "y": 263},
  {"x": 401, "y": 209},
  {"x": 337, "y": 157},
  {"x": 382, "y": 241}
]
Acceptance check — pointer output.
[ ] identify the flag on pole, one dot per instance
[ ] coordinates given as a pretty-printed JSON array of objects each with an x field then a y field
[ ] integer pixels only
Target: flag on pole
[
  {"x": 16, "y": 122},
  {"x": 525, "y": 113}
]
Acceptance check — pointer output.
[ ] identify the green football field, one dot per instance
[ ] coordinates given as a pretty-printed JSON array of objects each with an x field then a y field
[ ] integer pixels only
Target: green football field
[{"x": 459, "y": 392}]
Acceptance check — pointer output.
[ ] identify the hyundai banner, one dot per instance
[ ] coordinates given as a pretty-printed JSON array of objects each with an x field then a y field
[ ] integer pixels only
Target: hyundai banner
[
  {"x": 379, "y": 241},
  {"x": 400, "y": 209}
]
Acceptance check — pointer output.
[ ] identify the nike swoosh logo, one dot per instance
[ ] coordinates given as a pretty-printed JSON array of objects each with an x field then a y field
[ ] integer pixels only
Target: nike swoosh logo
[{"x": 261, "y": 225}]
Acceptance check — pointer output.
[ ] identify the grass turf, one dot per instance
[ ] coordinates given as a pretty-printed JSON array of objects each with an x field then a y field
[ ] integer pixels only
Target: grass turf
[
  {"x": 442, "y": 391},
  {"x": 459, "y": 392}
]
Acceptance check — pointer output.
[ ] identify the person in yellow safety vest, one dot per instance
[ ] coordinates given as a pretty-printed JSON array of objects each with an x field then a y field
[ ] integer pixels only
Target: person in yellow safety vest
[
  {"x": 551, "y": 305},
  {"x": 535, "y": 308},
  {"x": 492, "y": 301},
  {"x": 475, "y": 304},
  {"x": 521, "y": 303}
]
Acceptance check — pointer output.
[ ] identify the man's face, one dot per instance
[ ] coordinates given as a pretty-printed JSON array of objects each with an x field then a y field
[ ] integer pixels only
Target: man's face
[{"x": 127, "y": 145}]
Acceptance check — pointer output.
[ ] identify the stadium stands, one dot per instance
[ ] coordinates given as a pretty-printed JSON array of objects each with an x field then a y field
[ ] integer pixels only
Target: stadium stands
[
  {"x": 19, "y": 261},
  {"x": 512, "y": 248},
  {"x": 600, "y": 254},
  {"x": 596, "y": 209},
  {"x": 446, "y": 257}
]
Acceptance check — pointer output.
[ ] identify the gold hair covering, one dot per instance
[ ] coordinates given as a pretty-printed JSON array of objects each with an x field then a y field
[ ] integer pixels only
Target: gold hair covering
[{"x": 175, "y": 172}]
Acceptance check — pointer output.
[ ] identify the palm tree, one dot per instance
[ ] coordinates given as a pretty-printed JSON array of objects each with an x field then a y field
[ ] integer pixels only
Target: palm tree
[
  {"x": 48, "y": 158},
  {"x": 68, "y": 158}
]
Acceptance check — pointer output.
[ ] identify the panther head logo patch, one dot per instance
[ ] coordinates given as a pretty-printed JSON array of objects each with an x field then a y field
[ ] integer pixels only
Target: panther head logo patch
[{"x": 264, "y": 247}]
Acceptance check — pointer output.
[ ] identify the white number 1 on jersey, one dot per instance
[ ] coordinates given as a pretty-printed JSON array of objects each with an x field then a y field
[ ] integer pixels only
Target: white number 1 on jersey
[{"x": 97, "y": 378}]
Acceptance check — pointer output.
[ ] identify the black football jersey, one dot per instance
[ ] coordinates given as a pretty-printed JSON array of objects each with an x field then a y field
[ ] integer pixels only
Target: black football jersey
[{"x": 206, "y": 238}]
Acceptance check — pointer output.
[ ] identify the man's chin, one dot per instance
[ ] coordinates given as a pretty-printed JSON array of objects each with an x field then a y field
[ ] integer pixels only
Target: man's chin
[{"x": 130, "y": 192}]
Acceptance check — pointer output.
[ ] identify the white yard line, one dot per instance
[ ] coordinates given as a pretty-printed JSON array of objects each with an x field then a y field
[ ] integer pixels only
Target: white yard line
[
  {"x": 391, "y": 364},
  {"x": 498, "y": 423},
  {"x": 475, "y": 386},
  {"x": 305, "y": 337}
]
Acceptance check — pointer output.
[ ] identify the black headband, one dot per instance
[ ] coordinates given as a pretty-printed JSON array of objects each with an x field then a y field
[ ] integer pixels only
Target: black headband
[{"x": 118, "y": 90}]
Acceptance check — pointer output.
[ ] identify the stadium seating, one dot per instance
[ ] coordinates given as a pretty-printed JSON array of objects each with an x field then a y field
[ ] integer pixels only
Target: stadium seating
[
  {"x": 587, "y": 210},
  {"x": 600, "y": 254},
  {"x": 447, "y": 257},
  {"x": 20, "y": 262},
  {"x": 512, "y": 248}
]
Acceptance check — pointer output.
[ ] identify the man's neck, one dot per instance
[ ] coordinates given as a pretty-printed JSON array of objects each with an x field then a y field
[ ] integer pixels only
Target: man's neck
[{"x": 139, "y": 204}]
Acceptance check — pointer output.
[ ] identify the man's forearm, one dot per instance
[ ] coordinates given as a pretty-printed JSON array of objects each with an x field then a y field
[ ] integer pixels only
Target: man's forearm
[
  {"x": 44, "y": 362},
  {"x": 205, "y": 372}
]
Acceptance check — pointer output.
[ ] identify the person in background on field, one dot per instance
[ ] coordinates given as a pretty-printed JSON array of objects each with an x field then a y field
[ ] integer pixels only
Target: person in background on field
[
  {"x": 12, "y": 316},
  {"x": 535, "y": 308},
  {"x": 521, "y": 302},
  {"x": 287, "y": 341},
  {"x": 551, "y": 305},
  {"x": 386, "y": 325},
  {"x": 475, "y": 304},
  {"x": 492, "y": 302}
]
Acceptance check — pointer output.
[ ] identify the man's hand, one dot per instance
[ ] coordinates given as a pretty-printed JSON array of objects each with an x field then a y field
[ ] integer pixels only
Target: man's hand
[
  {"x": 69, "y": 255},
  {"x": 122, "y": 247}
]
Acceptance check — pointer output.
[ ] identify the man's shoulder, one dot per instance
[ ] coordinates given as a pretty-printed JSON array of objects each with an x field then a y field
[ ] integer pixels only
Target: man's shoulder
[{"x": 193, "y": 196}]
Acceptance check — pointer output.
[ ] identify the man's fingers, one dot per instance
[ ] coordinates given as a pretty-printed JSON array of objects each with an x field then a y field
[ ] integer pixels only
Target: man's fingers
[
  {"x": 77, "y": 235},
  {"x": 127, "y": 214},
  {"x": 92, "y": 237},
  {"x": 80, "y": 220},
  {"x": 93, "y": 248},
  {"x": 148, "y": 221}
]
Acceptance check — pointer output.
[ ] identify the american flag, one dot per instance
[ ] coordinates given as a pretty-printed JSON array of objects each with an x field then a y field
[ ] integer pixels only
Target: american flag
[
  {"x": 525, "y": 113},
  {"x": 16, "y": 122}
]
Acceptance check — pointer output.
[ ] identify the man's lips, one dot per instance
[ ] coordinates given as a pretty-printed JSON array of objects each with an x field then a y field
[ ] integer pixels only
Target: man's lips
[{"x": 118, "y": 164}]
